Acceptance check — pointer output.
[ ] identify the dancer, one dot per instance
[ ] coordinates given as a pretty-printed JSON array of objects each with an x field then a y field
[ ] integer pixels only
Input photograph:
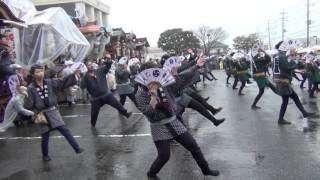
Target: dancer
[
  {"x": 234, "y": 72},
  {"x": 15, "y": 107},
  {"x": 42, "y": 99},
  {"x": 158, "y": 105},
  {"x": 242, "y": 73},
  {"x": 283, "y": 83},
  {"x": 314, "y": 72},
  {"x": 184, "y": 95},
  {"x": 228, "y": 66},
  {"x": 260, "y": 67},
  {"x": 124, "y": 87},
  {"x": 301, "y": 67},
  {"x": 96, "y": 83}
]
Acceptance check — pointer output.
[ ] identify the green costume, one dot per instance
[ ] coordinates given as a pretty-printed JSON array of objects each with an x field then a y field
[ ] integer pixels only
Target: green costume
[
  {"x": 314, "y": 73},
  {"x": 285, "y": 78},
  {"x": 260, "y": 69},
  {"x": 242, "y": 70}
]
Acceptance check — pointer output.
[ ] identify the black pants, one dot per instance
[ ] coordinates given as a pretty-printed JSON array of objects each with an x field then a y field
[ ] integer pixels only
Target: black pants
[
  {"x": 65, "y": 132},
  {"x": 261, "y": 91},
  {"x": 294, "y": 75},
  {"x": 228, "y": 77},
  {"x": 304, "y": 78},
  {"x": 313, "y": 89},
  {"x": 188, "y": 142},
  {"x": 285, "y": 100},
  {"x": 210, "y": 78},
  {"x": 243, "y": 84},
  {"x": 196, "y": 105},
  {"x": 202, "y": 101},
  {"x": 235, "y": 83},
  {"x": 97, "y": 104},
  {"x": 123, "y": 98}
]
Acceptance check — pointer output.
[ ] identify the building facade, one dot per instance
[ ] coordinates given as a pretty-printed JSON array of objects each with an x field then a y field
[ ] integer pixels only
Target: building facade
[{"x": 87, "y": 10}]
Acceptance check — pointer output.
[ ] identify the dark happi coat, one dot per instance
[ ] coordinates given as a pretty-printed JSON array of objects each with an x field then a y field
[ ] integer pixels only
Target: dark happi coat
[{"x": 45, "y": 100}]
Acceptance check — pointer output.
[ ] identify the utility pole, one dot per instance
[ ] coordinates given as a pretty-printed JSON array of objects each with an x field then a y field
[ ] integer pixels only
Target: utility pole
[
  {"x": 308, "y": 22},
  {"x": 269, "y": 35},
  {"x": 283, "y": 19}
]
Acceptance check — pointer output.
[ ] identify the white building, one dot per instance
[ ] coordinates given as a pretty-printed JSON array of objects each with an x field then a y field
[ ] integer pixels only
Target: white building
[
  {"x": 154, "y": 53},
  {"x": 92, "y": 10}
]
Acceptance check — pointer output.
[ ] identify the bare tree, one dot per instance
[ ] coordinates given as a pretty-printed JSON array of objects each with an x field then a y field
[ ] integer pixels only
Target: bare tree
[{"x": 210, "y": 37}]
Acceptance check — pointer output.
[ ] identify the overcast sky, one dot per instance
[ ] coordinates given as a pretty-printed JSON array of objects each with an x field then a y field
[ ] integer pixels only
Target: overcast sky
[{"x": 148, "y": 18}]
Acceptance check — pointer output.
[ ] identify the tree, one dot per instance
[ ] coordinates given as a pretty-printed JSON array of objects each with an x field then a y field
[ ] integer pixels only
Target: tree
[
  {"x": 210, "y": 37},
  {"x": 177, "y": 40},
  {"x": 246, "y": 42}
]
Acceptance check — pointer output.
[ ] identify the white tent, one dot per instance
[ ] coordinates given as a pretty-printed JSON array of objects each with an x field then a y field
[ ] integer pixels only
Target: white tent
[
  {"x": 50, "y": 34},
  {"x": 23, "y": 9}
]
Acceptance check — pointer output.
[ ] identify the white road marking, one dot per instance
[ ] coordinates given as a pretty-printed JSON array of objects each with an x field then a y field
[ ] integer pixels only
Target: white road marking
[
  {"x": 66, "y": 105},
  {"x": 137, "y": 113},
  {"x": 60, "y": 137},
  {"x": 76, "y": 115},
  {"x": 134, "y": 113}
]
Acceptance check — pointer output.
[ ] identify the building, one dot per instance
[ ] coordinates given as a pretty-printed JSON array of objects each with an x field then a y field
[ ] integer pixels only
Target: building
[
  {"x": 155, "y": 53},
  {"x": 219, "y": 49},
  {"x": 88, "y": 10}
]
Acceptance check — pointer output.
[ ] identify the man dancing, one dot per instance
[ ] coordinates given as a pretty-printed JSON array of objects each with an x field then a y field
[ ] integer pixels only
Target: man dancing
[
  {"x": 96, "y": 83},
  {"x": 260, "y": 67}
]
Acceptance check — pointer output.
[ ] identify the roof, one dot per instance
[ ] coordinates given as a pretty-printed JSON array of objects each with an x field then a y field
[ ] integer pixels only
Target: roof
[
  {"x": 142, "y": 42},
  {"x": 8, "y": 18},
  {"x": 118, "y": 32},
  {"x": 98, "y": 4},
  {"x": 130, "y": 35}
]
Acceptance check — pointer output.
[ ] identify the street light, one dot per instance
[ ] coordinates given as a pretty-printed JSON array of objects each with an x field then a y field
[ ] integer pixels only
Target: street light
[{"x": 316, "y": 37}]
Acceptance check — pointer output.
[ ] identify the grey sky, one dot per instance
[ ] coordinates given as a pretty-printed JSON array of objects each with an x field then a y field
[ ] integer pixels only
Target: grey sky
[{"x": 238, "y": 17}]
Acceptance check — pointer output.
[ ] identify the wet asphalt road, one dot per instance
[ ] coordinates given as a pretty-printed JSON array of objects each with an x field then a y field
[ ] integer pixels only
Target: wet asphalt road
[{"x": 248, "y": 146}]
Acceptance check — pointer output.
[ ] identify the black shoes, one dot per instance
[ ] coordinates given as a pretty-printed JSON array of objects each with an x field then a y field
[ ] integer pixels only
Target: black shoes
[
  {"x": 216, "y": 111},
  {"x": 283, "y": 122},
  {"x": 46, "y": 158},
  {"x": 152, "y": 176},
  {"x": 308, "y": 114},
  {"x": 79, "y": 151},
  {"x": 217, "y": 122},
  {"x": 128, "y": 114},
  {"x": 17, "y": 123},
  {"x": 254, "y": 107},
  {"x": 211, "y": 172}
]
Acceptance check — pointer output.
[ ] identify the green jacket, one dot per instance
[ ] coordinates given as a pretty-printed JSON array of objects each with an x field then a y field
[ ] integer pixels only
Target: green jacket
[
  {"x": 286, "y": 68},
  {"x": 241, "y": 66},
  {"x": 314, "y": 73},
  {"x": 261, "y": 64},
  {"x": 301, "y": 65}
]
